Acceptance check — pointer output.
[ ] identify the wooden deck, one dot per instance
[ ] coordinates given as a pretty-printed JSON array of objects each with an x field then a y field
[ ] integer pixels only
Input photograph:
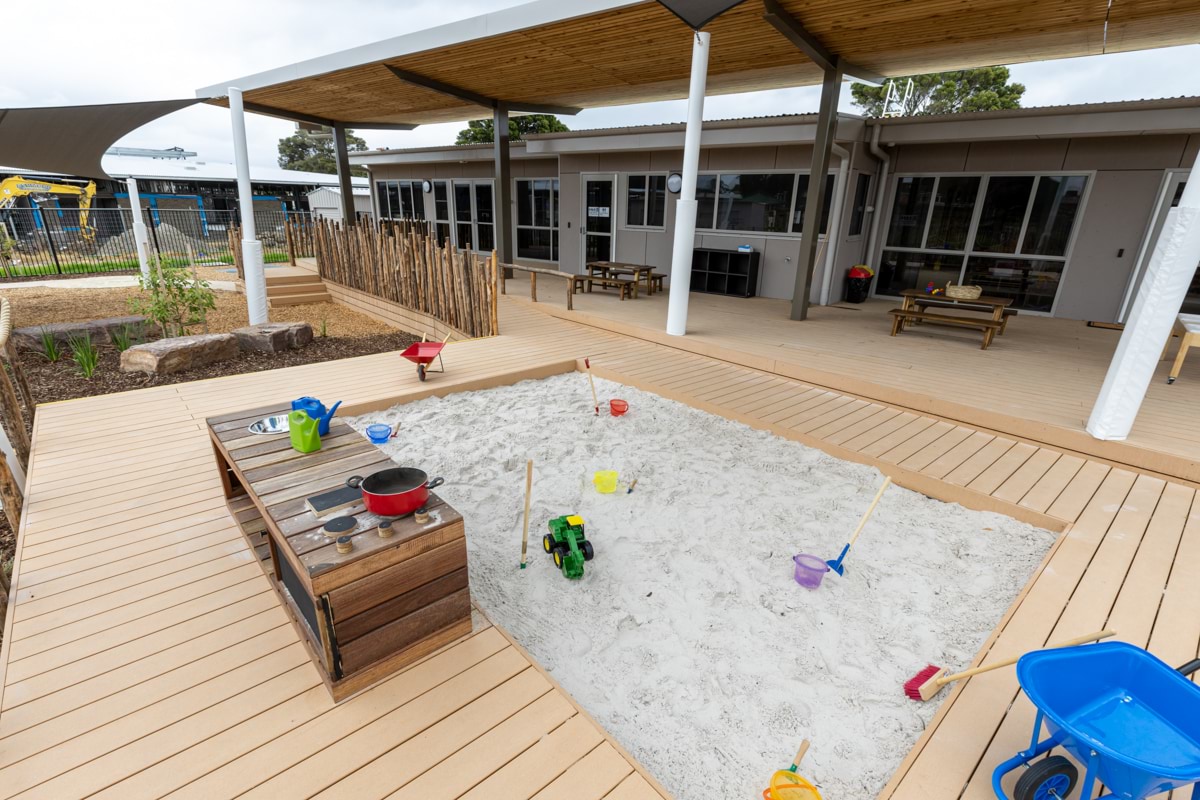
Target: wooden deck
[
  {"x": 145, "y": 655},
  {"x": 1038, "y": 380}
]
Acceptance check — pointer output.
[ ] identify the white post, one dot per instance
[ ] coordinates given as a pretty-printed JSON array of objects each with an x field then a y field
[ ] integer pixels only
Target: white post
[
  {"x": 252, "y": 252},
  {"x": 141, "y": 238},
  {"x": 685, "y": 207},
  {"x": 1159, "y": 299}
]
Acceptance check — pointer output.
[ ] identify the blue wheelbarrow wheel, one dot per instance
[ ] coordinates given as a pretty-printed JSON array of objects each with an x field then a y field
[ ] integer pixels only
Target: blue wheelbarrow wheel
[{"x": 1052, "y": 778}]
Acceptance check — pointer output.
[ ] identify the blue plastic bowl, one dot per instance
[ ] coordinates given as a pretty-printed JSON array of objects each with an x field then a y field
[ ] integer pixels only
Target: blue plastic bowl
[{"x": 379, "y": 433}]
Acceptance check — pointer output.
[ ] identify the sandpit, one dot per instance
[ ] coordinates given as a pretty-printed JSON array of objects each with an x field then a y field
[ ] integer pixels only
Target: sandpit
[{"x": 688, "y": 639}]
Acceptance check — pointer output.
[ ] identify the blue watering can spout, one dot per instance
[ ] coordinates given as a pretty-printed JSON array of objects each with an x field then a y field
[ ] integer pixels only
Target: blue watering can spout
[
  {"x": 316, "y": 409},
  {"x": 324, "y": 421}
]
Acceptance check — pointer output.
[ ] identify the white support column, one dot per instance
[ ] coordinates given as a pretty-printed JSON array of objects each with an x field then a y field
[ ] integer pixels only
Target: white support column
[
  {"x": 685, "y": 207},
  {"x": 141, "y": 238},
  {"x": 1161, "y": 295},
  {"x": 252, "y": 252}
]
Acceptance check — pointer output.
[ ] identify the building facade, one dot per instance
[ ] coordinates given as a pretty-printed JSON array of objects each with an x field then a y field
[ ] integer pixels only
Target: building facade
[{"x": 1056, "y": 208}]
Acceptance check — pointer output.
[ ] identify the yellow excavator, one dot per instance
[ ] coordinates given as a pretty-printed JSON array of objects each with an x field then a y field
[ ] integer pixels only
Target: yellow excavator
[{"x": 16, "y": 187}]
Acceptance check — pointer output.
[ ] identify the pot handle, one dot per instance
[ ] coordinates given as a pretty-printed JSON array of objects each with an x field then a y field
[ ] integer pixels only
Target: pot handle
[
  {"x": 354, "y": 481},
  {"x": 436, "y": 482}
]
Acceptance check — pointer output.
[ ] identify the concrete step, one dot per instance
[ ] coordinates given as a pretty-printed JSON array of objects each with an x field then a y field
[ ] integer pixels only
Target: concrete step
[{"x": 298, "y": 299}]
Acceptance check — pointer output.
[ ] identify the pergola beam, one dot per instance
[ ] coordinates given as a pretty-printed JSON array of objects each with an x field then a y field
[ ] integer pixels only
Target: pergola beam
[
  {"x": 810, "y": 45},
  {"x": 467, "y": 96},
  {"x": 296, "y": 116}
]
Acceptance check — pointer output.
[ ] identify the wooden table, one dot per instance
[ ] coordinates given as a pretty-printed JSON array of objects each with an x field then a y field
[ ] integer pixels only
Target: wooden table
[
  {"x": 363, "y": 614},
  {"x": 639, "y": 272},
  {"x": 990, "y": 321}
]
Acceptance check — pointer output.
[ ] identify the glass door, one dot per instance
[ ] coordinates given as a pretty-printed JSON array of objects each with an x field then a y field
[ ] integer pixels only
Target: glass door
[
  {"x": 598, "y": 215},
  {"x": 1168, "y": 198}
]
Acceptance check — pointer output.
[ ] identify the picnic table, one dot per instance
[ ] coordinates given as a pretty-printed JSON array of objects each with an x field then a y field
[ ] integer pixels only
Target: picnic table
[
  {"x": 987, "y": 314},
  {"x": 363, "y": 611},
  {"x": 602, "y": 271}
]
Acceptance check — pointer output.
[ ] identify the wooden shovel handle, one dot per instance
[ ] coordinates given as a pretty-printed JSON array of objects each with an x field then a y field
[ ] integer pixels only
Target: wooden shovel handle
[
  {"x": 528, "y": 492},
  {"x": 1091, "y": 637},
  {"x": 862, "y": 523}
]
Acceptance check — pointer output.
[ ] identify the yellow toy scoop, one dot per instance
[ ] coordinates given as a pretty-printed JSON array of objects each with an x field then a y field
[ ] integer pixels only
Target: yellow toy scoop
[{"x": 786, "y": 784}]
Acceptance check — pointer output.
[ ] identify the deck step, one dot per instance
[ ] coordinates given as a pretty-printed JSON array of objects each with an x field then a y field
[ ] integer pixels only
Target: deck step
[
  {"x": 298, "y": 299},
  {"x": 286, "y": 280},
  {"x": 295, "y": 288}
]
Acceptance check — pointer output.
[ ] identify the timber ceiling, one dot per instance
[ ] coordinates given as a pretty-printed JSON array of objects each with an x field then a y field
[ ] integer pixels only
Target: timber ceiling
[{"x": 642, "y": 53}]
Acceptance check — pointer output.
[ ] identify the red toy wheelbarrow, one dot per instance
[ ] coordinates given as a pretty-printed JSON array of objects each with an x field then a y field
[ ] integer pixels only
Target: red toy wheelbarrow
[{"x": 423, "y": 353}]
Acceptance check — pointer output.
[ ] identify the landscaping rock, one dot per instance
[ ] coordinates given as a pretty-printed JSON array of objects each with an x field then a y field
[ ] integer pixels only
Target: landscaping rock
[
  {"x": 98, "y": 329},
  {"x": 274, "y": 337},
  {"x": 166, "y": 356}
]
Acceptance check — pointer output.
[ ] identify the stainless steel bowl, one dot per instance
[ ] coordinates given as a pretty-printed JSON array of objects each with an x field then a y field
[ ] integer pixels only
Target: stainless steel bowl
[{"x": 267, "y": 425}]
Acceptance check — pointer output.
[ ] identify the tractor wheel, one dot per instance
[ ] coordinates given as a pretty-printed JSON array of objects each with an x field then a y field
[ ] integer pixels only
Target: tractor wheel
[
  {"x": 588, "y": 552},
  {"x": 548, "y": 542},
  {"x": 558, "y": 558}
]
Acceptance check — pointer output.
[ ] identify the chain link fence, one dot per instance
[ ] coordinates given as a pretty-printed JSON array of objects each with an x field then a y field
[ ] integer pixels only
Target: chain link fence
[{"x": 51, "y": 241}]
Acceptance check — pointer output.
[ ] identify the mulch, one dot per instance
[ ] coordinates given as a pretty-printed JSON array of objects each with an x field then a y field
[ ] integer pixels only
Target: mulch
[{"x": 61, "y": 380}]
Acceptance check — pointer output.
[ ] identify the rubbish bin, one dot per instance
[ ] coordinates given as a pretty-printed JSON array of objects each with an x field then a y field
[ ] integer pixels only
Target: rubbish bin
[{"x": 857, "y": 289}]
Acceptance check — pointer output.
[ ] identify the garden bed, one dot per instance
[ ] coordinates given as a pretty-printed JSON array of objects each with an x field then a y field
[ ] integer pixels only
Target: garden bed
[{"x": 687, "y": 637}]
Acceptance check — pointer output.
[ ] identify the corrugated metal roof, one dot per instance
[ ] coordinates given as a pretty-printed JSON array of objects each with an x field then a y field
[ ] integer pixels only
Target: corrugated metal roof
[
  {"x": 200, "y": 169},
  {"x": 1046, "y": 111}
]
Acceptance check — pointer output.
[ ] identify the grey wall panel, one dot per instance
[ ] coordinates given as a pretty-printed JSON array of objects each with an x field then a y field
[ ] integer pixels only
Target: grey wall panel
[
  {"x": 777, "y": 267},
  {"x": 1126, "y": 152},
  {"x": 943, "y": 157},
  {"x": 793, "y": 157},
  {"x": 666, "y": 160},
  {"x": 569, "y": 245},
  {"x": 624, "y": 162},
  {"x": 631, "y": 246},
  {"x": 1117, "y": 213},
  {"x": 1037, "y": 155},
  {"x": 741, "y": 159}
]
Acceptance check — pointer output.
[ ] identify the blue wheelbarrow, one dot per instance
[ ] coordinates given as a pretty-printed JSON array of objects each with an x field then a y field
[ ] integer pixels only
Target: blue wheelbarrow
[{"x": 1131, "y": 720}]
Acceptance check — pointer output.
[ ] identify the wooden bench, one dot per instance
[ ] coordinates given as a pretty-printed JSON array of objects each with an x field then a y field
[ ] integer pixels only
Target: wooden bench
[
  {"x": 934, "y": 303},
  {"x": 988, "y": 326},
  {"x": 627, "y": 286},
  {"x": 656, "y": 281}
]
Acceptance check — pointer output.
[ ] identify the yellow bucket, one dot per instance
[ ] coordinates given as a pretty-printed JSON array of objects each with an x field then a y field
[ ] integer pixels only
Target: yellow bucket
[
  {"x": 787, "y": 785},
  {"x": 605, "y": 481}
]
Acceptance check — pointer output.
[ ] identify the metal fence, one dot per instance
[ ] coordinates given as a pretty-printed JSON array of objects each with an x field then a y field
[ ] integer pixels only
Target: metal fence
[{"x": 41, "y": 241}]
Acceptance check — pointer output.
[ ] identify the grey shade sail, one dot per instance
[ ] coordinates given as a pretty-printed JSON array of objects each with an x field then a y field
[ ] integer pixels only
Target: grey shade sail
[
  {"x": 698, "y": 13},
  {"x": 72, "y": 139}
]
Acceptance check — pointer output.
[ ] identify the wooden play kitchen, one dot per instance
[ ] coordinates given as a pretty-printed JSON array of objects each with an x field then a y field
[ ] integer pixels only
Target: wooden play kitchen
[{"x": 369, "y": 594}]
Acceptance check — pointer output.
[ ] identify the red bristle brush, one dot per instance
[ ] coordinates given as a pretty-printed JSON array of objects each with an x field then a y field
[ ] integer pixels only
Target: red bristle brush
[{"x": 929, "y": 681}]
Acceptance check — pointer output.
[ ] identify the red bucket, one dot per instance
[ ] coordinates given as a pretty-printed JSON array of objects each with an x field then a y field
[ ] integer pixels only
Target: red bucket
[{"x": 618, "y": 407}]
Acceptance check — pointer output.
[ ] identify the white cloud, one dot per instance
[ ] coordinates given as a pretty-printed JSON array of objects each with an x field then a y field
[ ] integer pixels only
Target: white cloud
[{"x": 142, "y": 50}]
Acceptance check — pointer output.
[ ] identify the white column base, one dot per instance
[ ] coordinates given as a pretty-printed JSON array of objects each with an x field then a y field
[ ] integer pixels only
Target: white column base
[
  {"x": 141, "y": 239},
  {"x": 681, "y": 266},
  {"x": 256, "y": 281}
]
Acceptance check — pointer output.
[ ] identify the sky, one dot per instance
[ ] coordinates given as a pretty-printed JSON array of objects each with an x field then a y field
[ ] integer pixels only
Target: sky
[{"x": 143, "y": 50}]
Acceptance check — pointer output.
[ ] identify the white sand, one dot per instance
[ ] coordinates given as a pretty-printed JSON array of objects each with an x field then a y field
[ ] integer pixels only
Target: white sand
[{"x": 688, "y": 638}]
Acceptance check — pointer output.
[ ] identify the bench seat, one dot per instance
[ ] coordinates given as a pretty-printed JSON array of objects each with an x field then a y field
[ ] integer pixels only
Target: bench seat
[
  {"x": 989, "y": 326},
  {"x": 933, "y": 302}
]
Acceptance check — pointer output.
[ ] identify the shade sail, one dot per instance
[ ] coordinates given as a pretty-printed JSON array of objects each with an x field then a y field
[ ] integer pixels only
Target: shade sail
[
  {"x": 72, "y": 139},
  {"x": 591, "y": 53},
  {"x": 698, "y": 13}
]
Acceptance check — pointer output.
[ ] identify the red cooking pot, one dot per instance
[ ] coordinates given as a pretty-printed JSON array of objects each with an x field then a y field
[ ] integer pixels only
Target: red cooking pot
[{"x": 395, "y": 492}]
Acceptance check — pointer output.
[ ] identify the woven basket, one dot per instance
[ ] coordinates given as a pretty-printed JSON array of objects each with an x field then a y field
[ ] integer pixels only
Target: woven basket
[{"x": 963, "y": 292}]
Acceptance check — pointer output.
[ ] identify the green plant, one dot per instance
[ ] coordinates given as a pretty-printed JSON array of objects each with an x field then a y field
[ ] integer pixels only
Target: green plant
[
  {"x": 122, "y": 339},
  {"x": 173, "y": 298},
  {"x": 85, "y": 354},
  {"x": 324, "y": 328},
  {"x": 49, "y": 345}
]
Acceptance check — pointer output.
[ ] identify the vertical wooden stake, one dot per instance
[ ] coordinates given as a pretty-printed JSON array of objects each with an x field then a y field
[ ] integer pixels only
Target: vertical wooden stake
[
  {"x": 528, "y": 492},
  {"x": 591, "y": 381}
]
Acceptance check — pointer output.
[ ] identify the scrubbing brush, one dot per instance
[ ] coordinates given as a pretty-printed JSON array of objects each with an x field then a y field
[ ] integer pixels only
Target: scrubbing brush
[{"x": 929, "y": 681}]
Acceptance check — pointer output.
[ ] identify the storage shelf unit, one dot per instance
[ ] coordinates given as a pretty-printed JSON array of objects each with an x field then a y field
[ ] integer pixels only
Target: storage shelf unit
[{"x": 726, "y": 272}]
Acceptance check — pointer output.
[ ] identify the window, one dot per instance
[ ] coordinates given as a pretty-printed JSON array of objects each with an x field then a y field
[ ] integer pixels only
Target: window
[
  {"x": 474, "y": 215},
  {"x": 756, "y": 202},
  {"x": 802, "y": 201},
  {"x": 537, "y": 219},
  {"x": 862, "y": 191},
  {"x": 441, "y": 210},
  {"x": 1006, "y": 233},
  {"x": 646, "y": 201},
  {"x": 400, "y": 200}
]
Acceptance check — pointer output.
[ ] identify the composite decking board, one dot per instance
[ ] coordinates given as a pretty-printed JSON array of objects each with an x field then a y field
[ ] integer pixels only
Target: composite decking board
[
  {"x": 936, "y": 449},
  {"x": 54, "y": 675}
]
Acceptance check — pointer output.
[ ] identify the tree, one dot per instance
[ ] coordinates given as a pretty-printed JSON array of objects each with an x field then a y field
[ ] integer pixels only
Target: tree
[
  {"x": 984, "y": 89},
  {"x": 313, "y": 151},
  {"x": 479, "y": 131}
]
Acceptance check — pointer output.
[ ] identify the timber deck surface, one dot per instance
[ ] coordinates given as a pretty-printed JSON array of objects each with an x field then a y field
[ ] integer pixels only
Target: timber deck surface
[{"x": 145, "y": 655}]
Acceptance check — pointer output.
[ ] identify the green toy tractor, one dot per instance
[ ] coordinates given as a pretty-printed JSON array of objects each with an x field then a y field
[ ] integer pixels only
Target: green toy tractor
[{"x": 566, "y": 544}]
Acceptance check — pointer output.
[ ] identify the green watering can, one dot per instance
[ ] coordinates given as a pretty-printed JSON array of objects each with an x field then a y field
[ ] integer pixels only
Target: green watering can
[{"x": 304, "y": 431}]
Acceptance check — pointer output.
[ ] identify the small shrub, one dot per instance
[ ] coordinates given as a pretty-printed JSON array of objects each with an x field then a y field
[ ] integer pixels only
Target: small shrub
[
  {"x": 85, "y": 354},
  {"x": 49, "y": 345},
  {"x": 173, "y": 298},
  {"x": 324, "y": 328},
  {"x": 122, "y": 339}
]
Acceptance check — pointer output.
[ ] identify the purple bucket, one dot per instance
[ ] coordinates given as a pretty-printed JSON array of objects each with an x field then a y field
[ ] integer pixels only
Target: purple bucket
[{"x": 810, "y": 570}]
